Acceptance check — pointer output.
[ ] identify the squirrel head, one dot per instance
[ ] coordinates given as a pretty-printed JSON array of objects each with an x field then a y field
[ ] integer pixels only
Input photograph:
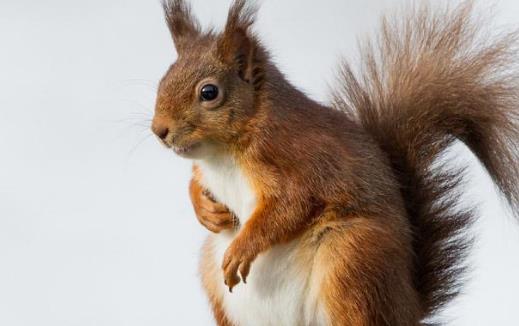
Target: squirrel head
[{"x": 206, "y": 98}]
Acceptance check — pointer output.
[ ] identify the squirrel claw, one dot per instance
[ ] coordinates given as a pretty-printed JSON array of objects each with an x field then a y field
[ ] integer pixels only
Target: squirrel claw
[{"x": 231, "y": 281}]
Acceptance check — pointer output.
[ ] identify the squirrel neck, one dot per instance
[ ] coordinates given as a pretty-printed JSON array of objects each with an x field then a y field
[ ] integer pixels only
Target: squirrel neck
[
  {"x": 278, "y": 106},
  {"x": 279, "y": 95}
]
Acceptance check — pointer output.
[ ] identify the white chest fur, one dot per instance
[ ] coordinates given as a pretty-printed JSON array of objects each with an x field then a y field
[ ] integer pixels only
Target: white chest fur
[
  {"x": 228, "y": 184},
  {"x": 279, "y": 288}
]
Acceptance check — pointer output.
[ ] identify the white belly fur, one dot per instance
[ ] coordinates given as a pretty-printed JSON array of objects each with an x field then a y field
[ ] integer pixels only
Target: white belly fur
[{"x": 279, "y": 288}]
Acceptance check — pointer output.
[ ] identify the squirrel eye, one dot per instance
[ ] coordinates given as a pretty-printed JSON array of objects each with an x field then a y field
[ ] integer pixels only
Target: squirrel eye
[{"x": 209, "y": 92}]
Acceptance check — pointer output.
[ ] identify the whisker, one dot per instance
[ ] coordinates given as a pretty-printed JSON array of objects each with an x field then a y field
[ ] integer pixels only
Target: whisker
[
  {"x": 137, "y": 145},
  {"x": 148, "y": 84}
]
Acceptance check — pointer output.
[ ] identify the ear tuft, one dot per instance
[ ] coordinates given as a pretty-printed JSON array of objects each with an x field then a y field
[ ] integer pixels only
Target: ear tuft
[
  {"x": 181, "y": 23},
  {"x": 237, "y": 46},
  {"x": 241, "y": 15}
]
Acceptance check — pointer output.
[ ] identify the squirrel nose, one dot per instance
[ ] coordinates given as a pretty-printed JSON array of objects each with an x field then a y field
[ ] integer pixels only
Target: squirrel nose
[{"x": 160, "y": 129}]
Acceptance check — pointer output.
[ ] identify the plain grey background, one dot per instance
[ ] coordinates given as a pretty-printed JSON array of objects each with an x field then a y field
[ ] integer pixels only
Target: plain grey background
[{"x": 95, "y": 223}]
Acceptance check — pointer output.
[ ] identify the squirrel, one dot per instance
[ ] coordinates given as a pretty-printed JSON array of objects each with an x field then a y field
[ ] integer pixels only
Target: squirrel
[{"x": 342, "y": 214}]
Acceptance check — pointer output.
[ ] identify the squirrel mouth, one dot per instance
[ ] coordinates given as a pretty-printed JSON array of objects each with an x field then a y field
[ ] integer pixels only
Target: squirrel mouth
[{"x": 182, "y": 150}]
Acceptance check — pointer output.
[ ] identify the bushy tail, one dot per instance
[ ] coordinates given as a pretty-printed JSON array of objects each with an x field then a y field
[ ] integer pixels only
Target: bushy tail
[{"x": 431, "y": 78}]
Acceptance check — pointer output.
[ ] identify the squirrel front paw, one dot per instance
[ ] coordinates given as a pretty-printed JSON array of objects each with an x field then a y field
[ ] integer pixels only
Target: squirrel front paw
[
  {"x": 213, "y": 215},
  {"x": 237, "y": 259}
]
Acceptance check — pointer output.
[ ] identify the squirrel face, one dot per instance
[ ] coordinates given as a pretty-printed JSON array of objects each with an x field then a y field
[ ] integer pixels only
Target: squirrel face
[{"x": 206, "y": 98}]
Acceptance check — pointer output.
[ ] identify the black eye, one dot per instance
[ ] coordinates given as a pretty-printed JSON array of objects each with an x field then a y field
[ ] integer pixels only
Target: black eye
[{"x": 209, "y": 92}]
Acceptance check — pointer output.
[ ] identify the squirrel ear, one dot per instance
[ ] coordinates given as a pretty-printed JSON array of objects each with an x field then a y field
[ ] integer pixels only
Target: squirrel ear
[
  {"x": 236, "y": 46},
  {"x": 182, "y": 25}
]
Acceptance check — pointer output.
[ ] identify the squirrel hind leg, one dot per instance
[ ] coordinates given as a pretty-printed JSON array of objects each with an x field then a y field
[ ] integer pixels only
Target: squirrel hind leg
[{"x": 365, "y": 275}]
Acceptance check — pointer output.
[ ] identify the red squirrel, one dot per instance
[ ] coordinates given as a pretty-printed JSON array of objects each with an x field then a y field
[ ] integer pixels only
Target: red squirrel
[{"x": 341, "y": 215}]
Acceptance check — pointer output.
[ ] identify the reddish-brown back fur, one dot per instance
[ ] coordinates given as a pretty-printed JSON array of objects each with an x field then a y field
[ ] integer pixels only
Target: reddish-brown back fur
[{"x": 360, "y": 178}]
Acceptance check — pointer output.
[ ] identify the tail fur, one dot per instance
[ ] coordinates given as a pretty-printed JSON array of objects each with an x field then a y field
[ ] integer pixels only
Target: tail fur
[{"x": 432, "y": 78}]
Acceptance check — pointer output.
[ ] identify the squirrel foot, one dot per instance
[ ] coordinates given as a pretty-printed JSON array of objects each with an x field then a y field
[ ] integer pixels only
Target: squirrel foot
[{"x": 237, "y": 259}]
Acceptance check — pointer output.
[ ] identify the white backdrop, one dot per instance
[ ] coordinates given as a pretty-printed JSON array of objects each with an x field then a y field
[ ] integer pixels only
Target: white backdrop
[{"x": 95, "y": 224}]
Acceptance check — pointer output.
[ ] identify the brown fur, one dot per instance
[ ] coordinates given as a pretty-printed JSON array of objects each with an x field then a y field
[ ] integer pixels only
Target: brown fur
[{"x": 361, "y": 179}]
